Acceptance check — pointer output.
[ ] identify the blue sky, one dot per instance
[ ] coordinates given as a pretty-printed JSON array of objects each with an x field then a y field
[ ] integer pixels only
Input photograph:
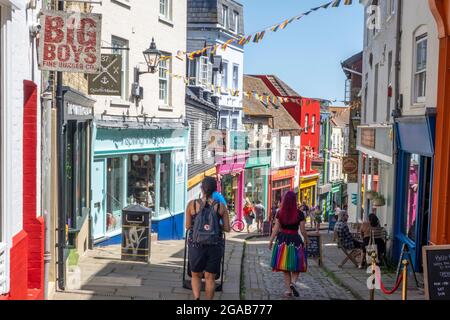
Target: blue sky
[{"x": 307, "y": 53}]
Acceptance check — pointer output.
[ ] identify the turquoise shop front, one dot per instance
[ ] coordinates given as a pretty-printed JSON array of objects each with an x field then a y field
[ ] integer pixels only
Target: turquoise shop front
[{"x": 138, "y": 165}]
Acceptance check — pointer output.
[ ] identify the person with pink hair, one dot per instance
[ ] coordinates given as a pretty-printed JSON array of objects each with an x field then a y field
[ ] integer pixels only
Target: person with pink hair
[{"x": 289, "y": 250}]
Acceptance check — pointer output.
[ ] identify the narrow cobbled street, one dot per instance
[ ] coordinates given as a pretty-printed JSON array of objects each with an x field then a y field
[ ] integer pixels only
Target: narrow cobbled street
[
  {"x": 102, "y": 275},
  {"x": 263, "y": 284}
]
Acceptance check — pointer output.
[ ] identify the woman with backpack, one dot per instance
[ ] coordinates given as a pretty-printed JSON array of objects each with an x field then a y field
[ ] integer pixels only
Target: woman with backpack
[
  {"x": 288, "y": 252},
  {"x": 206, "y": 220}
]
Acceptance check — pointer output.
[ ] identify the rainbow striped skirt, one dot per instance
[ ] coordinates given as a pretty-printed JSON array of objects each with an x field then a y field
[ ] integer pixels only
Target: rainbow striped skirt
[{"x": 289, "y": 256}]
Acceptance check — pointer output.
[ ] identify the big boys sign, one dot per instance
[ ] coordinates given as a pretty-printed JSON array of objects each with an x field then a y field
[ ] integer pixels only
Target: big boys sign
[{"x": 70, "y": 41}]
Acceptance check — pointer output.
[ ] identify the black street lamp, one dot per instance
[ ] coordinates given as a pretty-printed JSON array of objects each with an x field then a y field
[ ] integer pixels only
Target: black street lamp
[{"x": 152, "y": 57}]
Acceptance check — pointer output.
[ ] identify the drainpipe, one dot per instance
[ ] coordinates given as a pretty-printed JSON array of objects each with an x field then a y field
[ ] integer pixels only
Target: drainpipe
[
  {"x": 397, "y": 113},
  {"x": 398, "y": 102},
  {"x": 47, "y": 102},
  {"x": 61, "y": 172}
]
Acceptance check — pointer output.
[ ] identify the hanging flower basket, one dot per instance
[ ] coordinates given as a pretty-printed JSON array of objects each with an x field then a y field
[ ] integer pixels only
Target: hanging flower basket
[
  {"x": 371, "y": 194},
  {"x": 379, "y": 201}
]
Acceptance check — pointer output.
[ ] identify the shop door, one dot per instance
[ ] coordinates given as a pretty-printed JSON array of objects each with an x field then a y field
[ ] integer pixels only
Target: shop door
[{"x": 98, "y": 198}]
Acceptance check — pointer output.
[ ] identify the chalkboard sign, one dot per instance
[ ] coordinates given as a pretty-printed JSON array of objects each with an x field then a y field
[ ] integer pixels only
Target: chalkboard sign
[
  {"x": 436, "y": 262},
  {"x": 314, "y": 249}
]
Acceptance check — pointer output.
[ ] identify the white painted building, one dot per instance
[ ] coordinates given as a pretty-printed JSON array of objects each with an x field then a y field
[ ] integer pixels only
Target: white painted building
[
  {"x": 215, "y": 22},
  {"x": 378, "y": 95},
  {"x": 131, "y": 25},
  {"x": 151, "y": 119},
  {"x": 415, "y": 126},
  {"x": 419, "y": 76},
  {"x": 19, "y": 77},
  {"x": 339, "y": 142}
]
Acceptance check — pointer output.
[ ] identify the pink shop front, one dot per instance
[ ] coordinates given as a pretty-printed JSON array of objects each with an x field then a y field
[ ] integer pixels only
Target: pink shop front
[{"x": 230, "y": 174}]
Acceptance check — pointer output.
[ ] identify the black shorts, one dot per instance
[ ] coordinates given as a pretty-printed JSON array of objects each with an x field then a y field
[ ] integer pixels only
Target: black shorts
[{"x": 206, "y": 258}]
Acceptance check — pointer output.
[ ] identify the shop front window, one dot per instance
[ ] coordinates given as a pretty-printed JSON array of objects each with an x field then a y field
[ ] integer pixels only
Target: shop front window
[
  {"x": 279, "y": 189},
  {"x": 115, "y": 201},
  {"x": 75, "y": 179},
  {"x": 141, "y": 180},
  {"x": 229, "y": 189},
  {"x": 254, "y": 184},
  {"x": 164, "y": 186},
  {"x": 412, "y": 196}
]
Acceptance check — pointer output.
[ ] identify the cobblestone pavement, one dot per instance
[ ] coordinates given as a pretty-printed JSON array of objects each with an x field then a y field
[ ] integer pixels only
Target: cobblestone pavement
[
  {"x": 102, "y": 275},
  {"x": 356, "y": 279},
  {"x": 263, "y": 284}
]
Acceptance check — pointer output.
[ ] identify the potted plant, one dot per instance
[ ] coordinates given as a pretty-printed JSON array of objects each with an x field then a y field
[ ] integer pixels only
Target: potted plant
[
  {"x": 379, "y": 201},
  {"x": 371, "y": 194}
]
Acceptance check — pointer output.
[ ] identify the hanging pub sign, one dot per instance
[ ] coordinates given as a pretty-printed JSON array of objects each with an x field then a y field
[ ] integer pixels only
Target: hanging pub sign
[
  {"x": 350, "y": 165},
  {"x": 291, "y": 154},
  {"x": 70, "y": 42},
  {"x": 109, "y": 81}
]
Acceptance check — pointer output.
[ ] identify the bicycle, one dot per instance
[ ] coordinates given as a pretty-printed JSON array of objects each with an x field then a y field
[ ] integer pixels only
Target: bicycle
[{"x": 237, "y": 225}]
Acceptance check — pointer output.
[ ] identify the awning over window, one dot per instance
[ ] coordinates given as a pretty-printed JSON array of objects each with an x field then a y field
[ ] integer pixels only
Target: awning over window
[{"x": 416, "y": 134}]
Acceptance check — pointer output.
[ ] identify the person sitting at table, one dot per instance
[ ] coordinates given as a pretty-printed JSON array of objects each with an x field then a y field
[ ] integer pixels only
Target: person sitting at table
[
  {"x": 343, "y": 233},
  {"x": 379, "y": 234}
]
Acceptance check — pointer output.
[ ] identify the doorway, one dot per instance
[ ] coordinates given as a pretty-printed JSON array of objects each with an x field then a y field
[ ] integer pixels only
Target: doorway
[
  {"x": 230, "y": 191},
  {"x": 98, "y": 199}
]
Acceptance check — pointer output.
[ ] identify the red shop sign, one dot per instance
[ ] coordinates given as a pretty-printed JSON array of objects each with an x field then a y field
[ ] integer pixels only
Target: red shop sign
[{"x": 70, "y": 42}]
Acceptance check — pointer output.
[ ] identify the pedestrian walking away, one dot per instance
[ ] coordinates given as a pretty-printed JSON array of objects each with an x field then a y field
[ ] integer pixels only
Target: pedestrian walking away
[
  {"x": 249, "y": 214},
  {"x": 288, "y": 251},
  {"x": 206, "y": 220},
  {"x": 307, "y": 212},
  {"x": 259, "y": 215},
  {"x": 317, "y": 217}
]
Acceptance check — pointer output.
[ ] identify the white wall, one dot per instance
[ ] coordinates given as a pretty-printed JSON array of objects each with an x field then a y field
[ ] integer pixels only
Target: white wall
[
  {"x": 417, "y": 19},
  {"x": 337, "y": 148},
  {"x": 279, "y": 146},
  {"x": 138, "y": 24},
  {"x": 379, "y": 46},
  {"x": 18, "y": 63},
  {"x": 234, "y": 56}
]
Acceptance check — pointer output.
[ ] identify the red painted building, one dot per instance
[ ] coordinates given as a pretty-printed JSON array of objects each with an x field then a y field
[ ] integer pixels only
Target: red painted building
[{"x": 306, "y": 112}]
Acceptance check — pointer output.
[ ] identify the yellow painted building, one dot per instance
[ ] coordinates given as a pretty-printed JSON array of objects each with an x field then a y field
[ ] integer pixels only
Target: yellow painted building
[{"x": 308, "y": 189}]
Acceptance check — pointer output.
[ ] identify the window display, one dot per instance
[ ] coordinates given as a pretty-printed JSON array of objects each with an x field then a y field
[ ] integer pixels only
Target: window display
[
  {"x": 229, "y": 190},
  {"x": 254, "y": 184},
  {"x": 412, "y": 196},
  {"x": 115, "y": 195},
  {"x": 141, "y": 180}
]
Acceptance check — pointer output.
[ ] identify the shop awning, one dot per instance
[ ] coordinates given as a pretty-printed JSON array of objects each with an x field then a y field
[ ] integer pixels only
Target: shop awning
[{"x": 416, "y": 134}]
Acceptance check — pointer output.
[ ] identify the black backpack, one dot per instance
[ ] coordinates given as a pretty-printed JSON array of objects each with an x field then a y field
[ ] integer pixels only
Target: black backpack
[{"x": 206, "y": 229}]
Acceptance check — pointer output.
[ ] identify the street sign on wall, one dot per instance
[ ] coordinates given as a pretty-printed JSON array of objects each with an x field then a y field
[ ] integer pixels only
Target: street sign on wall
[
  {"x": 70, "y": 41},
  {"x": 109, "y": 81}
]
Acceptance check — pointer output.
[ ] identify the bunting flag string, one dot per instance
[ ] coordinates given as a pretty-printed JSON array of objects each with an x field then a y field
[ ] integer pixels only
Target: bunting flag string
[
  {"x": 257, "y": 37},
  {"x": 263, "y": 97}
]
